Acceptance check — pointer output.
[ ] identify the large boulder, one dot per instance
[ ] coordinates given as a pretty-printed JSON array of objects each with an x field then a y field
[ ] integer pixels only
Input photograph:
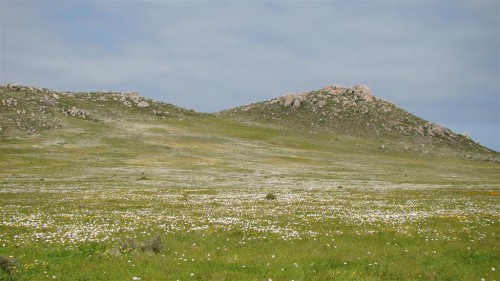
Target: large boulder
[
  {"x": 363, "y": 91},
  {"x": 288, "y": 100},
  {"x": 294, "y": 100}
]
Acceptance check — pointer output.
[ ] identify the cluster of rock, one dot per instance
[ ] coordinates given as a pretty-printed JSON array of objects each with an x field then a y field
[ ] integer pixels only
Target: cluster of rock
[
  {"x": 294, "y": 100},
  {"x": 10, "y": 102},
  {"x": 331, "y": 92},
  {"x": 75, "y": 112},
  {"x": 13, "y": 87},
  {"x": 16, "y": 87},
  {"x": 131, "y": 98}
]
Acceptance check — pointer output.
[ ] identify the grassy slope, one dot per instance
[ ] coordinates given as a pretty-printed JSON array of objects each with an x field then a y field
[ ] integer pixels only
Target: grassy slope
[
  {"x": 84, "y": 201},
  {"x": 220, "y": 145}
]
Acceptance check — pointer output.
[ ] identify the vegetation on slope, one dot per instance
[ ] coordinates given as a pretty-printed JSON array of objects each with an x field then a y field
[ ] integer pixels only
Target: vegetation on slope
[{"x": 114, "y": 189}]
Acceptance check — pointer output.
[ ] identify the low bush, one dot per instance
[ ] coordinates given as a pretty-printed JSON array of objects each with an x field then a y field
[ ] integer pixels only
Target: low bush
[{"x": 270, "y": 196}]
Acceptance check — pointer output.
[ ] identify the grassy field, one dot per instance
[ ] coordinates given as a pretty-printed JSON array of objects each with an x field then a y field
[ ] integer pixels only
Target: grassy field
[{"x": 207, "y": 198}]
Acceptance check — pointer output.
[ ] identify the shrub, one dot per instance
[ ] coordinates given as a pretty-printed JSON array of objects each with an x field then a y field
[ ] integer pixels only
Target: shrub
[
  {"x": 7, "y": 265},
  {"x": 128, "y": 245},
  {"x": 270, "y": 196},
  {"x": 154, "y": 245}
]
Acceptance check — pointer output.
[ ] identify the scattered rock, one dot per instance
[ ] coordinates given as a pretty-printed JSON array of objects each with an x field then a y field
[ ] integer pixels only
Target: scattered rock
[
  {"x": 142, "y": 104},
  {"x": 10, "y": 102},
  {"x": 133, "y": 96},
  {"x": 334, "y": 90},
  {"x": 12, "y": 86},
  {"x": 75, "y": 112},
  {"x": 438, "y": 131}
]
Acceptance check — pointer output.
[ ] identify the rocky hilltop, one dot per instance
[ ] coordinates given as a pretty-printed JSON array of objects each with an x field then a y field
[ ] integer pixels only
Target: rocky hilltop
[
  {"x": 355, "y": 111},
  {"x": 35, "y": 109}
]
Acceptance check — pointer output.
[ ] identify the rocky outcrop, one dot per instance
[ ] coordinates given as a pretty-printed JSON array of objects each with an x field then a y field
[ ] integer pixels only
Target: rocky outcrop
[
  {"x": 75, "y": 112},
  {"x": 293, "y": 100},
  {"x": 362, "y": 91},
  {"x": 10, "y": 102},
  {"x": 142, "y": 104},
  {"x": 357, "y": 92}
]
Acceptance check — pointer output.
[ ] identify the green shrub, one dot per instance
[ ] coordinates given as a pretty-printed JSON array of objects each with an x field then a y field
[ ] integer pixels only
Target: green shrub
[
  {"x": 7, "y": 265},
  {"x": 270, "y": 196},
  {"x": 154, "y": 245}
]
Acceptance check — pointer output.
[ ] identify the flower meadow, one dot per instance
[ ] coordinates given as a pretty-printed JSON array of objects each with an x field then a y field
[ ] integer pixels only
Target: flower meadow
[
  {"x": 228, "y": 230},
  {"x": 111, "y": 186}
]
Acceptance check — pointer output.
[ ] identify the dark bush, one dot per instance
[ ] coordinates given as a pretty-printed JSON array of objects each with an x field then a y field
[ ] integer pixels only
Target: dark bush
[
  {"x": 7, "y": 265},
  {"x": 154, "y": 245},
  {"x": 270, "y": 196}
]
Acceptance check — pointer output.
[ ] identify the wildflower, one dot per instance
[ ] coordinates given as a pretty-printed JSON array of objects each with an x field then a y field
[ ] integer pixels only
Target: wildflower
[
  {"x": 136, "y": 278},
  {"x": 493, "y": 269}
]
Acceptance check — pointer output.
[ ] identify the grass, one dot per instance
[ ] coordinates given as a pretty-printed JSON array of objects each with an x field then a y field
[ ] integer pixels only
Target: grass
[
  {"x": 188, "y": 198},
  {"x": 313, "y": 233}
]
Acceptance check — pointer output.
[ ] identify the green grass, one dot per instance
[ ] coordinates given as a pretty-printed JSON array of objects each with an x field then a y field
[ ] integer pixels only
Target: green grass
[
  {"x": 184, "y": 198},
  {"x": 353, "y": 233}
]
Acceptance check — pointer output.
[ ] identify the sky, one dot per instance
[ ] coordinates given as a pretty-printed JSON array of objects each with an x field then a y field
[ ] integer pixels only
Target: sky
[{"x": 439, "y": 60}]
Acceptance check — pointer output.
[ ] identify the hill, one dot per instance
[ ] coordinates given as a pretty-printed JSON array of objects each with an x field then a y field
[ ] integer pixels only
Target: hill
[
  {"x": 334, "y": 132},
  {"x": 357, "y": 112},
  {"x": 33, "y": 109}
]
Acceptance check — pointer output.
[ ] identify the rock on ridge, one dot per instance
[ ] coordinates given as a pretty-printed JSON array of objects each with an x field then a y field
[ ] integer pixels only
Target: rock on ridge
[
  {"x": 75, "y": 112},
  {"x": 296, "y": 100},
  {"x": 293, "y": 100}
]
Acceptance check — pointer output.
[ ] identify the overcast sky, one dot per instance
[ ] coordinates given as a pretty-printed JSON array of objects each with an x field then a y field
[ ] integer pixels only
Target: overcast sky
[{"x": 439, "y": 60}]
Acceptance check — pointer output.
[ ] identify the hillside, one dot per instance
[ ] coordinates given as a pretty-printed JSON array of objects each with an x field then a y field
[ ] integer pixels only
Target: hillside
[
  {"x": 33, "y": 109},
  {"x": 333, "y": 132}
]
